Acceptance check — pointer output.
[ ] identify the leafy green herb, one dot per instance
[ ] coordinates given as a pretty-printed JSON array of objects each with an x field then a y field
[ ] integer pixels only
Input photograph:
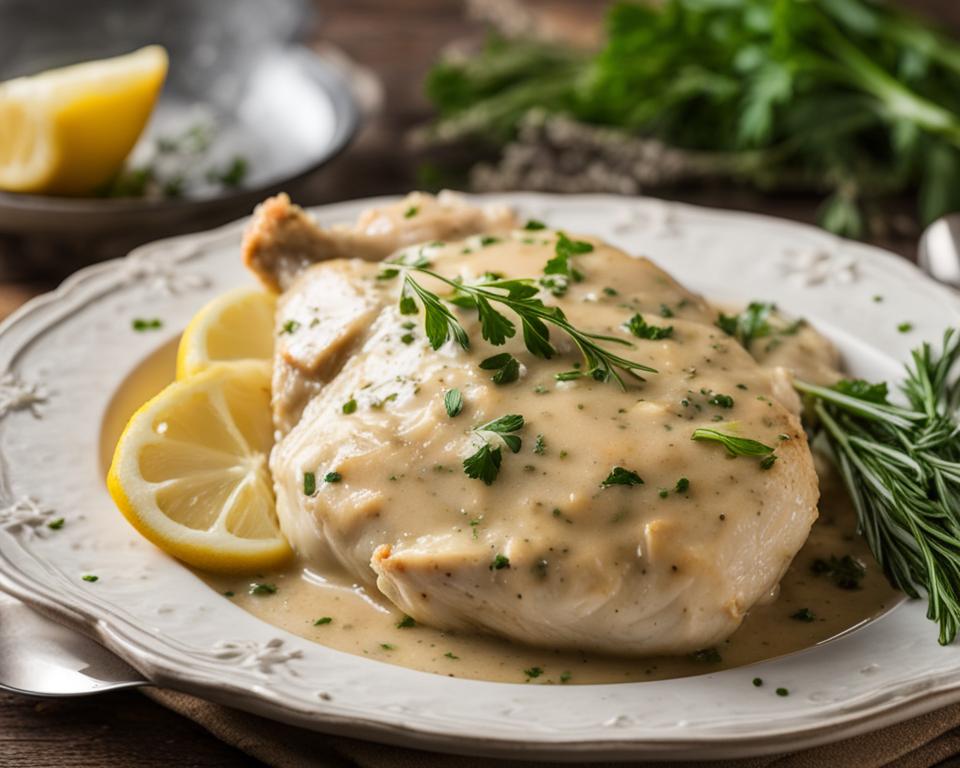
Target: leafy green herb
[
  {"x": 499, "y": 563},
  {"x": 736, "y": 446},
  {"x": 845, "y": 572},
  {"x": 260, "y": 588},
  {"x": 90, "y": 578},
  {"x": 752, "y": 323},
  {"x": 707, "y": 656},
  {"x": 682, "y": 486},
  {"x": 852, "y": 97},
  {"x": 533, "y": 672},
  {"x": 453, "y": 402},
  {"x": 863, "y": 390},
  {"x": 309, "y": 483},
  {"x": 665, "y": 311},
  {"x": 229, "y": 593},
  {"x": 540, "y": 446},
  {"x": 412, "y": 211},
  {"x": 804, "y": 614},
  {"x": 408, "y": 338},
  {"x": 901, "y": 466},
  {"x": 332, "y": 477},
  {"x": 451, "y": 655},
  {"x": 485, "y": 463},
  {"x": 406, "y": 623},
  {"x": 289, "y": 327},
  {"x": 56, "y": 525},
  {"x": 782, "y": 692},
  {"x": 323, "y": 620},
  {"x": 507, "y": 368},
  {"x": 721, "y": 401},
  {"x": 905, "y": 327},
  {"x": 140, "y": 324},
  {"x": 621, "y": 476},
  {"x": 350, "y": 406},
  {"x": 565, "y": 677},
  {"x": 232, "y": 175},
  {"x": 520, "y": 297},
  {"x": 643, "y": 330},
  {"x": 533, "y": 225},
  {"x": 388, "y": 646},
  {"x": 757, "y": 682}
]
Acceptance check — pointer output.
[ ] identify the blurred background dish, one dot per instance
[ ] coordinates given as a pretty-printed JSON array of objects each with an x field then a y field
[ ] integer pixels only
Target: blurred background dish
[{"x": 245, "y": 111}]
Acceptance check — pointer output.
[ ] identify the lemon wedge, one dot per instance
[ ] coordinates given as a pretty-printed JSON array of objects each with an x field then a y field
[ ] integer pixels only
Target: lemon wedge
[
  {"x": 235, "y": 326},
  {"x": 190, "y": 470},
  {"x": 67, "y": 131}
]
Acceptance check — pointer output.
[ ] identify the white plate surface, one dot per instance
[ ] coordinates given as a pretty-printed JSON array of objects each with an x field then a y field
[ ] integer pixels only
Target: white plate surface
[{"x": 66, "y": 354}]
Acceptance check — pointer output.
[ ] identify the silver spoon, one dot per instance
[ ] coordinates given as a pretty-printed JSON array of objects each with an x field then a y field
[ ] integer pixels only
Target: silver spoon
[
  {"x": 939, "y": 254},
  {"x": 39, "y": 657}
]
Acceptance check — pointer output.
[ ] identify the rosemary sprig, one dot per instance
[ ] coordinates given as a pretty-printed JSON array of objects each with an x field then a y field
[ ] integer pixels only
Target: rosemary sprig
[
  {"x": 901, "y": 465},
  {"x": 519, "y": 296}
]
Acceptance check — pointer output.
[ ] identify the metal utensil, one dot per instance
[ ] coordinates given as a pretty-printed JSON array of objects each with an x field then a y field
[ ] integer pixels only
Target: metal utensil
[
  {"x": 39, "y": 657},
  {"x": 939, "y": 254}
]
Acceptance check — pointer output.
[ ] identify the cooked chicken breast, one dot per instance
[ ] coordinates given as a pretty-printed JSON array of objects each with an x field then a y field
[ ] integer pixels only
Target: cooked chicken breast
[{"x": 547, "y": 553}]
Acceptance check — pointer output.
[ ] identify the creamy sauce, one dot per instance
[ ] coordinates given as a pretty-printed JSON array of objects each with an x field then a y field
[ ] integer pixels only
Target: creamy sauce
[{"x": 363, "y": 624}]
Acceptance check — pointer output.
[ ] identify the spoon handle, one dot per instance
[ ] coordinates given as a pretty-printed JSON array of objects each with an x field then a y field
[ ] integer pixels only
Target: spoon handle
[{"x": 39, "y": 657}]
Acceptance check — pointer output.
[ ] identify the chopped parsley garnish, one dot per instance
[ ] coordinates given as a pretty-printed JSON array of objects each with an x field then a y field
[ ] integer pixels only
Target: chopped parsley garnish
[
  {"x": 608, "y": 291},
  {"x": 804, "y": 614},
  {"x": 499, "y": 563},
  {"x": 309, "y": 483},
  {"x": 323, "y": 620},
  {"x": 452, "y": 655},
  {"x": 736, "y": 446},
  {"x": 56, "y": 525},
  {"x": 231, "y": 176},
  {"x": 558, "y": 270},
  {"x": 140, "y": 324},
  {"x": 453, "y": 402},
  {"x": 540, "y": 447},
  {"x": 290, "y": 327},
  {"x": 350, "y": 406},
  {"x": 90, "y": 577},
  {"x": 707, "y": 656},
  {"x": 507, "y": 368},
  {"x": 565, "y": 677},
  {"x": 665, "y": 311},
  {"x": 388, "y": 646},
  {"x": 229, "y": 593},
  {"x": 643, "y": 330},
  {"x": 721, "y": 401},
  {"x": 752, "y": 323},
  {"x": 485, "y": 463},
  {"x": 533, "y": 672},
  {"x": 782, "y": 692},
  {"x": 412, "y": 211},
  {"x": 757, "y": 682},
  {"x": 406, "y": 622},
  {"x": 682, "y": 486},
  {"x": 332, "y": 477},
  {"x": 863, "y": 390},
  {"x": 621, "y": 476},
  {"x": 534, "y": 226},
  {"x": 767, "y": 462},
  {"x": 845, "y": 572},
  {"x": 905, "y": 327},
  {"x": 488, "y": 240},
  {"x": 408, "y": 338},
  {"x": 260, "y": 588}
]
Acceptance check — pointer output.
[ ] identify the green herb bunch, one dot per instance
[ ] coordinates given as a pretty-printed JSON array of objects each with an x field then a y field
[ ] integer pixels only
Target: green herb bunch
[
  {"x": 901, "y": 465},
  {"x": 853, "y": 98}
]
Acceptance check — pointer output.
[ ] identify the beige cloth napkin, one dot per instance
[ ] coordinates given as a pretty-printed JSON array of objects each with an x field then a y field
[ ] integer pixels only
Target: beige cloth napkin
[{"x": 923, "y": 742}]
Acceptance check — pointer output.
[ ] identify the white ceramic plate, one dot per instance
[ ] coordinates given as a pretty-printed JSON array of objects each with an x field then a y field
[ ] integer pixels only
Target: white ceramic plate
[{"x": 66, "y": 355}]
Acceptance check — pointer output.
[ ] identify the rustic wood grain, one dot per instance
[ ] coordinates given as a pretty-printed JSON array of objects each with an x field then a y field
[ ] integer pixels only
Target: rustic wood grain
[{"x": 397, "y": 39}]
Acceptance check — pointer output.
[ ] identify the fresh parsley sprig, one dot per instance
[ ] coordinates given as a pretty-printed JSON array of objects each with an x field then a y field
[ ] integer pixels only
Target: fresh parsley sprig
[
  {"x": 484, "y": 464},
  {"x": 519, "y": 296},
  {"x": 901, "y": 466}
]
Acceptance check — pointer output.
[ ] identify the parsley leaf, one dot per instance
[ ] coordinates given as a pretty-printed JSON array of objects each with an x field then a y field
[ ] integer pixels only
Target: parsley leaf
[
  {"x": 863, "y": 390},
  {"x": 621, "y": 476},
  {"x": 736, "y": 446},
  {"x": 507, "y": 368},
  {"x": 484, "y": 464},
  {"x": 453, "y": 402},
  {"x": 643, "y": 330}
]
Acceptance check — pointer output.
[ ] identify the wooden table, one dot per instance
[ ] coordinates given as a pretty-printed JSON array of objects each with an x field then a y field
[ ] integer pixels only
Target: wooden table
[{"x": 397, "y": 39}]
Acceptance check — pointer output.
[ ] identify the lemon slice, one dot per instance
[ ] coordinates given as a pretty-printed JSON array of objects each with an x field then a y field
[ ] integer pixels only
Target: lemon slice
[
  {"x": 190, "y": 470},
  {"x": 235, "y": 326},
  {"x": 67, "y": 131}
]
